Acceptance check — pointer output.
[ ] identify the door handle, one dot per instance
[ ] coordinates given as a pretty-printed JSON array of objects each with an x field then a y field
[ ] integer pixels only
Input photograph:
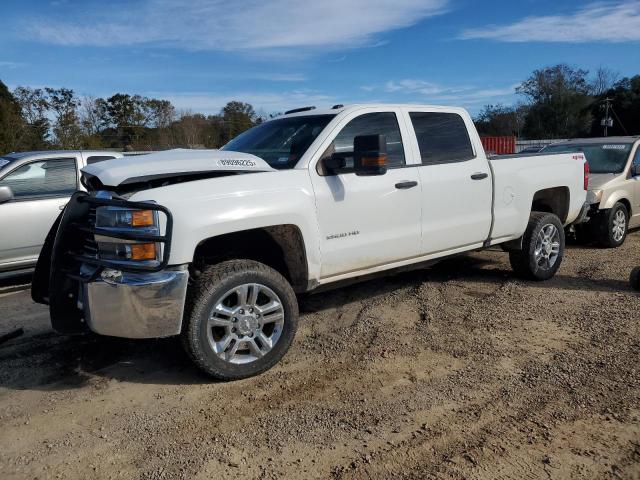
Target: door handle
[
  {"x": 479, "y": 176},
  {"x": 406, "y": 184},
  {"x": 61, "y": 207}
]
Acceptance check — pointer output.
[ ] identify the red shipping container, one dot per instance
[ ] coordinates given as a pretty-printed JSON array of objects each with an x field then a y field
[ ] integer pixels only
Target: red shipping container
[{"x": 499, "y": 145}]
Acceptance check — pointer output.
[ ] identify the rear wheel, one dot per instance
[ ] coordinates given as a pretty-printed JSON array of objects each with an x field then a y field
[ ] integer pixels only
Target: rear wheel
[
  {"x": 614, "y": 225},
  {"x": 240, "y": 320},
  {"x": 542, "y": 248}
]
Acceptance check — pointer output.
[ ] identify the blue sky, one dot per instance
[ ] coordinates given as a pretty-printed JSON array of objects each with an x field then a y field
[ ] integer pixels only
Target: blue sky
[{"x": 278, "y": 54}]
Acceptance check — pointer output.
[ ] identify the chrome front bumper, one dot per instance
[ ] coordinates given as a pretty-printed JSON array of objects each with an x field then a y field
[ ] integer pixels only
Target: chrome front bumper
[{"x": 136, "y": 305}]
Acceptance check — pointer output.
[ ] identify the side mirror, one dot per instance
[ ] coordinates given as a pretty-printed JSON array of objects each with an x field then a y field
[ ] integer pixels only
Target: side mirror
[
  {"x": 5, "y": 194},
  {"x": 370, "y": 155}
]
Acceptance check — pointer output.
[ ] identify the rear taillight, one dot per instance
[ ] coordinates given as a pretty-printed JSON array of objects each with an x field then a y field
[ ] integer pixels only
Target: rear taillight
[{"x": 586, "y": 175}]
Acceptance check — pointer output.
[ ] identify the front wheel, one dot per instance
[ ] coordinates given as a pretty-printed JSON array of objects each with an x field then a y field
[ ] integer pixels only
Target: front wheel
[
  {"x": 614, "y": 225},
  {"x": 542, "y": 248},
  {"x": 241, "y": 318}
]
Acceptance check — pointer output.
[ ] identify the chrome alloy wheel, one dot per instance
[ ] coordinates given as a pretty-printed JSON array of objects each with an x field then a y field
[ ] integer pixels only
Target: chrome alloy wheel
[
  {"x": 245, "y": 323},
  {"x": 619, "y": 226},
  {"x": 547, "y": 247}
]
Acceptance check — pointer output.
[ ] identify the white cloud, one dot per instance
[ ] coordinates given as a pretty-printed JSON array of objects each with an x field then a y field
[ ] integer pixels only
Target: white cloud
[
  {"x": 417, "y": 90},
  {"x": 596, "y": 22},
  {"x": 11, "y": 65},
  {"x": 237, "y": 25}
]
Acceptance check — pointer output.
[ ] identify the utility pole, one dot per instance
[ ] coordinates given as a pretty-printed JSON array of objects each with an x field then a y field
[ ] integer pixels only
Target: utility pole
[{"x": 607, "y": 121}]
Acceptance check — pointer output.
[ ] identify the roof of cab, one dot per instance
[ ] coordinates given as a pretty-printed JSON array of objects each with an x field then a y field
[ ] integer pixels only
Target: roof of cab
[{"x": 356, "y": 106}]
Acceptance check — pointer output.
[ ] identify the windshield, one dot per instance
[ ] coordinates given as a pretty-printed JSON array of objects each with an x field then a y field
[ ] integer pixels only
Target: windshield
[
  {"x": 602, "y": 157},
  {"x": 282, "y": 142}
]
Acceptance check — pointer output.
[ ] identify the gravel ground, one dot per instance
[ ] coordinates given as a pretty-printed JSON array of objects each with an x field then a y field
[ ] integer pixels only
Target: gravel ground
[{"x": 457, "y": 371}]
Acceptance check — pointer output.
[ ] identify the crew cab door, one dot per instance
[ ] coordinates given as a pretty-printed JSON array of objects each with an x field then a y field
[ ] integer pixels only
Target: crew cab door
[
  {"x": 41, "y": 189},
  {"x": 367, "y": 221},
  {"x": 456, "y": 180}
]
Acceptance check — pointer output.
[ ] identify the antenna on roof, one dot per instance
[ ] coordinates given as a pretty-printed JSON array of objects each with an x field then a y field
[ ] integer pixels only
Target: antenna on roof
[{"x": 296, "y": 110}]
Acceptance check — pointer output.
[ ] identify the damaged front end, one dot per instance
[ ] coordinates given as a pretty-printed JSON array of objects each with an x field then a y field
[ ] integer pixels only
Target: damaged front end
[{"x": 104, "y": 267}]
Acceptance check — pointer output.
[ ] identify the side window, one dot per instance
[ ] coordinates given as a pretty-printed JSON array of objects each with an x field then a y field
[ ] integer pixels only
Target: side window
[
  {"x": 98, "y": 158},
  {"x": 43, "y": 178},
  {"x": 442, "y": 137},
  {"x": 384, "y": 123},
  {"x": 636, "y": 160}
]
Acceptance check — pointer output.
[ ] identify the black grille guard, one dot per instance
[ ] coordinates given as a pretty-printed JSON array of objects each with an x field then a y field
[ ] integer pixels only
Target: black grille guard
[
  {"x": 59, "y": 273},
  {"x": 125, "y": 266}
]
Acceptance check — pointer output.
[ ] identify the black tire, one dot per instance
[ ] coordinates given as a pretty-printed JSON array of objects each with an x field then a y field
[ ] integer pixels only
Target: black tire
[
  {"x": 606, "y": 226},
  {"x": 524, "y": 261},
  {"x": 210, "y": 287},
  {"x": 634, "y": 278}
]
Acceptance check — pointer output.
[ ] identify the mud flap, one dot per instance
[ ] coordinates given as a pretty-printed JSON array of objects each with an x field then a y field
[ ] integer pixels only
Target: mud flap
[{"x": 52, "y": 283}]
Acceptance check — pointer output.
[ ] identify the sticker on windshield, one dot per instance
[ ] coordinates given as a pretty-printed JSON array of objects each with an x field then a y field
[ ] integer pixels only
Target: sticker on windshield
[
  {"x": 283, "y": 159},
  {"x": 3, "y": 162},
  {"x": 616, "y": 146}
]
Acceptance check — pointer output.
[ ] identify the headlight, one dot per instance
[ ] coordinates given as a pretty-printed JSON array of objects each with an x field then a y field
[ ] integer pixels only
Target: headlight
[
  {"x": 110, "y": 250},
  {"x": 127, "y": 221},
  {"x": 596, "y": 196},
  {"x": 114, "y": 217}
]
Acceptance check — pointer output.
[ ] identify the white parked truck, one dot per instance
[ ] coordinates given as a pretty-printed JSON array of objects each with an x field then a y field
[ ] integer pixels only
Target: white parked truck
[{"x": 212, "y": 245}]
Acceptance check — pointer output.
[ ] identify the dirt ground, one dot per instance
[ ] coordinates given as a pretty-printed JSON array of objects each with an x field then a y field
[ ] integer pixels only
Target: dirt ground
[{"x": 457, "y": 371}]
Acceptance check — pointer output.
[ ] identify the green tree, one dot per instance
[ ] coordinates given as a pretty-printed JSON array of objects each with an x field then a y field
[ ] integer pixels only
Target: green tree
[
  {"x": 12, "y": 125},
  {"x": 559, "y": 102},
  {"x": 34, "y": 107},
  {"x": 66, "y": 127},
  {"x": 236, "y": 118},
  {"x": 500, "y": 120},
  {"x": 625, "y": 100}
]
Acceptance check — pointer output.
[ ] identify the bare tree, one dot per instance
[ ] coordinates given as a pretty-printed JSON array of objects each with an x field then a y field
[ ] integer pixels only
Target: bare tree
[
  {"x": 603, "y": 80},
  {"x": 92, "y": 113}
]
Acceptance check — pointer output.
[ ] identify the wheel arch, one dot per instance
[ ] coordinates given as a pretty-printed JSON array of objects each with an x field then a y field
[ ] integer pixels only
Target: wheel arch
[
  {"x": 281, "y": 247},
  {"x": 623, "y": 200},
  {"x": 556, "y": 200}
]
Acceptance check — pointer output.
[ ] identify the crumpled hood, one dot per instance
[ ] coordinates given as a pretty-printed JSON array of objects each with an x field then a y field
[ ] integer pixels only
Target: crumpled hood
[{"x": 126, "y": 170}]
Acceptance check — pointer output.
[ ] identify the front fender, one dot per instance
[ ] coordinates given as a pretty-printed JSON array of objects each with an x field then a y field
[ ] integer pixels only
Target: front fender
[
  {"x": 209, "y": 208},
  {"x": 608, "y": 201}
]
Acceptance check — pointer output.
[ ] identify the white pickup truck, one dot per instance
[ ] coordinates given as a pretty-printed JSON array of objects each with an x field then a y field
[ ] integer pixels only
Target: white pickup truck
[{"x": 213, "y": 244}]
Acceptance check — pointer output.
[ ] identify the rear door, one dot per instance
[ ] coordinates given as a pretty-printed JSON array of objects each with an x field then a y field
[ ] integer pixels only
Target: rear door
[
  {"x": 41, "y": 189},
  {"x": 455, "y": 179},
  {"x": 367, "y": 221}
]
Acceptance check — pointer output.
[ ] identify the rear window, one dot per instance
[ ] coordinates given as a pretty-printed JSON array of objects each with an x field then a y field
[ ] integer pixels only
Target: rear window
[
  {"x": 442, "y": 137},
  {"x": 602, "y": 157}
]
